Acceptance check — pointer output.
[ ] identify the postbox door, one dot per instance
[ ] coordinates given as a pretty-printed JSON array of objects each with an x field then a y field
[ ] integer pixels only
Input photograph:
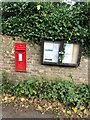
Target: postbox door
[{"x": 20, "y": 61}]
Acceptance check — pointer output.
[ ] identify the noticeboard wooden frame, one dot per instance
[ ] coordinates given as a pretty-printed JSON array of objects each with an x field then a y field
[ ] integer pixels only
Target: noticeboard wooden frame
[{"x": 58, "y": 63}]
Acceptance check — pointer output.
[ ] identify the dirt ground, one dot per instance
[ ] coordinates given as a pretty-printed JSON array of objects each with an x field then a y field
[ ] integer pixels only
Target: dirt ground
[{"x": 10, "y": 112}]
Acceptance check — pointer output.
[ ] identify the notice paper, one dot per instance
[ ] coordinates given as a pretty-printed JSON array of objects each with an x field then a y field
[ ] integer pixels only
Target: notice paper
[
  {"x": 55, "y": 52},
  {"x": 51, "y": 50},
  {"x": 68, "y": 53},
  {"x": 48, "y": 51},
  {"x": 20, "y": 57}
]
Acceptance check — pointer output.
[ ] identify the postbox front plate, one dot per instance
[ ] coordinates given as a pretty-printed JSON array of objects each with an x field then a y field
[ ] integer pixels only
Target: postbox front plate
[{"x": 20, "y": 57}]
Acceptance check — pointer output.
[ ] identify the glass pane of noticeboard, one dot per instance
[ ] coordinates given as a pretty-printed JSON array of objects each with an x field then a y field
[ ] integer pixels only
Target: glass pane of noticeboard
[
  {"x": 60, "y": 53},
  {"x": 51, "y": 50},
  {"x": 71, "y": 53}
]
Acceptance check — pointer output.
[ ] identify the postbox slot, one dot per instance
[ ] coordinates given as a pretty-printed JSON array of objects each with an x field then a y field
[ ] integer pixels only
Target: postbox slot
[
  {"x": 19, "y": 49},
  {"x": 20, "y": 46}
]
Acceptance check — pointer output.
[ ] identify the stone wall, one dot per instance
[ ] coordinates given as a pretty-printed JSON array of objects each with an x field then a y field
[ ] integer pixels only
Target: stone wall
[{"x": 34, "y": 67}]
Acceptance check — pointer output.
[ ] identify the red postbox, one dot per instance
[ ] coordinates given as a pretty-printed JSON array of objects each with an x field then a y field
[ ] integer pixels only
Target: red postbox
[{"x": 20, "y": 57}]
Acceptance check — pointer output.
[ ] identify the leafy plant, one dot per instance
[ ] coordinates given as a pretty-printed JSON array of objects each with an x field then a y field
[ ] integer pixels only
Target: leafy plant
[
  {"x": 7, "y": 85},
  {"x": 27, "y": 88},
  {"x": 66, "y": 91},
  {"x": 52, "y": 20}
]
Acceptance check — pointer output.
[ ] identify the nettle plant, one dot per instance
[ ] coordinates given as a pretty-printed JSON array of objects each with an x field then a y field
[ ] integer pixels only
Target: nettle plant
[{"x": 35, "y": 21}]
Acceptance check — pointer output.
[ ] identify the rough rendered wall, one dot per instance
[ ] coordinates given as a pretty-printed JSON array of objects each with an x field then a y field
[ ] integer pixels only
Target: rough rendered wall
[{"x": 34, "y": 67}]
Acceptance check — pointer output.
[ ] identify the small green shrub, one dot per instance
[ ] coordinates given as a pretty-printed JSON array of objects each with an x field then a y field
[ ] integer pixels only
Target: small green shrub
[
  {"x": 82, "y": 95},
  {"x": 66, "y": 91},
  {"x": 27, "y": 88},
  {"x": 7, "y": 84}
]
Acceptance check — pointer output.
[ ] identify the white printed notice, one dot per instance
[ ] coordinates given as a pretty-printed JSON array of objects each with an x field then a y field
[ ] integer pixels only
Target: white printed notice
[
  {"x": 51, "y": 50},
  {"x": 68, "y": 53},
  {"x": 20, "y": 57},
  {"x": 48, "y": 51},
  {"x": 55, "y": 52}
]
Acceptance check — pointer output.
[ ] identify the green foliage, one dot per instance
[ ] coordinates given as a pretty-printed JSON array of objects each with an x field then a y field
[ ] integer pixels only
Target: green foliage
[
  {"x": 27, "y": 88},
  {"x": 66, "y": 91},
  {"x": 53, "y": 20},
  {"x": 7, "y": 85},
  {"x": 83, "y": 95}
]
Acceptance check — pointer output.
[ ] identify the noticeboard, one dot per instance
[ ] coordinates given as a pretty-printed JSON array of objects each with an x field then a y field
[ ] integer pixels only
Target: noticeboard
[{"x": 61, "y": 53}]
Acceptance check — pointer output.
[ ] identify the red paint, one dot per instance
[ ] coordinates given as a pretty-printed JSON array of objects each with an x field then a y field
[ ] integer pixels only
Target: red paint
[{"x": 20, "y": 57}]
